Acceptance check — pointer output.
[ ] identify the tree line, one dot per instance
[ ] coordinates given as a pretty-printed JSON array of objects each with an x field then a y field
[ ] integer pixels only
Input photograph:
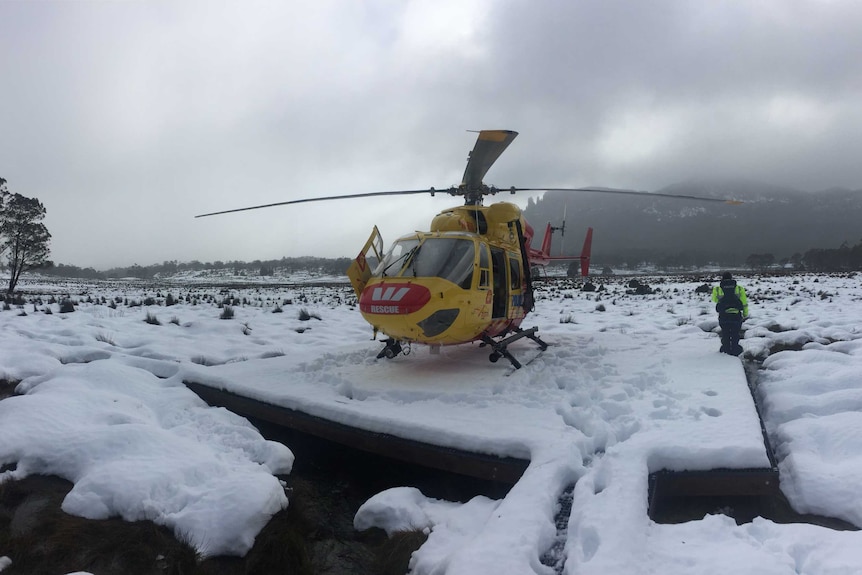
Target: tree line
[
  {"x": 264, "y": 268},
  {"x": 25, "y": 246},
  {"x": 841, "y": 259}
]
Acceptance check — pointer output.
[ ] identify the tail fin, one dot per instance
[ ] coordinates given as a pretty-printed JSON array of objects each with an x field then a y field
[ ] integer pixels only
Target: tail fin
[
  {"x": 543, "y": 256},
  {"x": 585, "y": 253},
  {"x": 546, "y": 241}
]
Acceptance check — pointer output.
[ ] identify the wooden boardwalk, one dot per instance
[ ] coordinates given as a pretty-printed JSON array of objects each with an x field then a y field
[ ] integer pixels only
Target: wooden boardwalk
[
  {"x": 506, "y": 470},
  {"x": 662, "y": 485}
]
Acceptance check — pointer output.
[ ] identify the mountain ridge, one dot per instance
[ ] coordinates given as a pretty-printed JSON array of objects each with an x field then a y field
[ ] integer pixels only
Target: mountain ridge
[{"x": 772, "y": 219}]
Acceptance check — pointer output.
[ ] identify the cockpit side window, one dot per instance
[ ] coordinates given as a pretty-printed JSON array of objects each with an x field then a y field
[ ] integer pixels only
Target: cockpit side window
[
  {"x": 514, "y": 273},
  {"x": 484, "y": 266}
]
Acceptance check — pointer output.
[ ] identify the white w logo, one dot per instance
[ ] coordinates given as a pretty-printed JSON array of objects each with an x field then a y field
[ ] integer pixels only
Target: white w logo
[{"x": 389, "y": 295}]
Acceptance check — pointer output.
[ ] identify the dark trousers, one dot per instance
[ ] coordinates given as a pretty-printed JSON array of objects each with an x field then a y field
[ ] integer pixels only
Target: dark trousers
[{"x": 730, "y": 325}]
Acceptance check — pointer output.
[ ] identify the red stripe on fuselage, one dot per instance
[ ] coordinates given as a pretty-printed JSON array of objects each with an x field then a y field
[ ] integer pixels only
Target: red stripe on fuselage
[{"x": 393, "y": 298}]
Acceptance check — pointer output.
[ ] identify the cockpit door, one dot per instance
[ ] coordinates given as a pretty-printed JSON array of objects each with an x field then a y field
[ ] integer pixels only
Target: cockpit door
[
  {"x": 500, "y": 282},
  {"x": 516, "y": 288},
  {"x": 360, "y": 269}
]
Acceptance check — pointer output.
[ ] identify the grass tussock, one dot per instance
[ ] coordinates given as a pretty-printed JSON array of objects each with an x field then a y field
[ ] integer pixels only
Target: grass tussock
[
  {"x": 105, "y": 338},
  {"x": 281, "y": 546},
  {"x": 7, "y": 389},
  {"x": 204, "y": 360},
  {"x": 304, "y": 315},
  {"x": 40, "y": 538},
  {"x": 392, "y": 556},
  {"x": 273, "y": 353}
]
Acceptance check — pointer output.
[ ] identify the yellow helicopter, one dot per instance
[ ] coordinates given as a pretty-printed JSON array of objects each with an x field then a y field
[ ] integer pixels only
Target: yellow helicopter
[{"x": 469, "y": 278}]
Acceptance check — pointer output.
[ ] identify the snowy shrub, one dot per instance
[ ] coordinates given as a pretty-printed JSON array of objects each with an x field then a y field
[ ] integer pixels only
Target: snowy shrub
[
  {"x": 226, "y": 312},
  {"x": 305, "y": 316},
  {"x": 104, "y": 338},
  {"x": 269, "y": 354},
  {"x": 152, "y": 319},
  {"x": 66, "y": 306}
]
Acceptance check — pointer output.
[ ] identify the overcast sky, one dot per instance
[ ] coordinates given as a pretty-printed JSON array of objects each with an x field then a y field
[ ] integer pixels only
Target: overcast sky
[{"x": 128, "y": 118}]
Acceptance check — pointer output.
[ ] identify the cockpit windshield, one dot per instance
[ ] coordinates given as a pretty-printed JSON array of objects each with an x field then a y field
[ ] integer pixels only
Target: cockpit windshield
[
  {"x": 394, "y": 259},
  {"x": 448, "y": 258}
]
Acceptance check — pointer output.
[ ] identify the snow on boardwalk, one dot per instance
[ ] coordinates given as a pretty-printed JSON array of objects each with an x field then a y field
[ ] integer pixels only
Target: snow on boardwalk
[
  {"x": 627, "y": 403},
  {"x": 685, "y": 405}
]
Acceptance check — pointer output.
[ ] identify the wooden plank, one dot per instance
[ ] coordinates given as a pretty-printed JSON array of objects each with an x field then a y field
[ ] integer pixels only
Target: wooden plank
[
  {"x": 480, "y": 466},
  {"x": 714, "y": 483}
]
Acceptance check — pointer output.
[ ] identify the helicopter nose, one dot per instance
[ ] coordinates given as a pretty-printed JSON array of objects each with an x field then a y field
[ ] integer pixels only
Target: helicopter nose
[{"x": 395, "y": 298}]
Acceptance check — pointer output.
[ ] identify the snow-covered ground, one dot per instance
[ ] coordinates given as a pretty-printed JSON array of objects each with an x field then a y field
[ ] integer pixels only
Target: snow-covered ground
[{"x": 631, "y": 384}]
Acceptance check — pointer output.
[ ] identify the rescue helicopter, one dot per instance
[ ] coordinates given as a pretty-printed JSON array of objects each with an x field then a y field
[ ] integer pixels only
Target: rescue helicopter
[{"x": 469, "y": 277}]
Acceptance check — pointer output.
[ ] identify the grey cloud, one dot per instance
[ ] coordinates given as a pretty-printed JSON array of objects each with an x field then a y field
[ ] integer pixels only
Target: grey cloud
[{"x": 118, "y": 115}]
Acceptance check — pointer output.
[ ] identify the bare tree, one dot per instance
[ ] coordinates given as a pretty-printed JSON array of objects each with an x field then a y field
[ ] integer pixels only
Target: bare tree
[{"x": 24, "y": 239}]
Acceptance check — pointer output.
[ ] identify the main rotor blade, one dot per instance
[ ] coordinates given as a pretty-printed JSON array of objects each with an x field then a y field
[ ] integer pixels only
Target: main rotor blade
[
  {"x": 431, "y": 191},
  {"x": 630, "y": 193},
  {"x": 488, "y": 148}
]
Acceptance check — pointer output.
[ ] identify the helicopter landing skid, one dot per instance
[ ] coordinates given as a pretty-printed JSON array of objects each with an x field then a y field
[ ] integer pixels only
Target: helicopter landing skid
[
  {"x": 393, "y": 348},
  {"x": 500, "y": 347}
]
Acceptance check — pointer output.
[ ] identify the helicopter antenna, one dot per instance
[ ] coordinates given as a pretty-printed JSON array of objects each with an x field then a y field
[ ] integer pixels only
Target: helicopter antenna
[{"x": 562, "y": 229}]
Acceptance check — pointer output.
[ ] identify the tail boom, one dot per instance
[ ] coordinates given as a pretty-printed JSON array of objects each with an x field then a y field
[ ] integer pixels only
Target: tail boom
[{"x": 543, "y": 257}]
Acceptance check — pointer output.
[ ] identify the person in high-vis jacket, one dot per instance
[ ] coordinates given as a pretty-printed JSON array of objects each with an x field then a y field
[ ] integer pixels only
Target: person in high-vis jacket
[{"x": 731, "y": 303}]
